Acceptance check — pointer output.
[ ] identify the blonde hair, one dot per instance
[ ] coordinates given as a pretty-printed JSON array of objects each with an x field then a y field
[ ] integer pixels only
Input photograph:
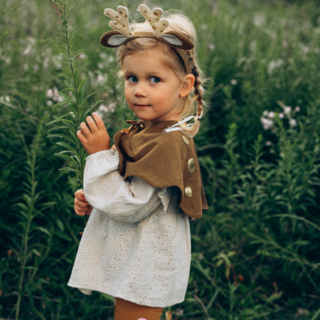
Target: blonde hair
[{"x": 180, "y": 23}]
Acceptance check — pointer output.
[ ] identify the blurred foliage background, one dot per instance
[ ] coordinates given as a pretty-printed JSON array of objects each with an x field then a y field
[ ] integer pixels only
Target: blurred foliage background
[{"x": 256, "y": 250}]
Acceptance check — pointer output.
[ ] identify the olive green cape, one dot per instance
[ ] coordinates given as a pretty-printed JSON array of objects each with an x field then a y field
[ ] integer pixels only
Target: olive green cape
[{"x": 163, "y": 160}]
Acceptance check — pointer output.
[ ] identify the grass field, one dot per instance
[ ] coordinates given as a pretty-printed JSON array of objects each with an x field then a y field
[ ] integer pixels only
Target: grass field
[{"x": 255, "y": 252}]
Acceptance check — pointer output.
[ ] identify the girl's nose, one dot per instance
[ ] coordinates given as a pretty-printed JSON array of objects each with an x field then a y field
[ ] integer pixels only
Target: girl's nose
[{"x": 140, "y": 90}]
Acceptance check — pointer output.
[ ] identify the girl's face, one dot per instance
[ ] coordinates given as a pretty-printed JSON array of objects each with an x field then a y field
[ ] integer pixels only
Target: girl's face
[{"x": 153, "y": 91}]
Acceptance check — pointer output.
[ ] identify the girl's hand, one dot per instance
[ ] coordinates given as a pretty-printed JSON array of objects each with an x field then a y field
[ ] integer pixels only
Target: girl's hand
[
  {"x": 81, "y": 206},
  {"x": 97, "y": 138}
]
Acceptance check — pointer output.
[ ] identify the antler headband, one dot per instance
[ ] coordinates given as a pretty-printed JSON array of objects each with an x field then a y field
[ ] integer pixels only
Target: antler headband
[{"x": 122, "y": 32}]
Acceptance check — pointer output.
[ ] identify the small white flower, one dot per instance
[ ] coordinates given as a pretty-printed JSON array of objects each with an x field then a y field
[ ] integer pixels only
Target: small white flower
[
  {"x": 31, "y": 40},
  {"x": 297, "y": 109},
  {"x": 268, "y": 143},
  {"x": 36, "y": 67},
  {"x": 266, "y": 123},
  {"x": 274, "y": 64},
  {"x": 46, "y": 62},
  {"x": 111, "y": 59},
  {"x": 259, "y": 20},
  {"x": 101, "y": 79},
  {"x": 211, "y": 47},
  {"x": 49, "y": 93},
  {"x": 27, "y": 50},
  {"x": 292, "y": 123},
  {"x": 112, "y": 106},
  {"x": 204, "y": 27},
  {"x": 304, "y": 49},
  {"x": 49, "y": 103},
  {"x": 103, "y": 55},
  {"x": 54, "y": 95},
  {"x": 100, "y": 65},
  {"x": 281, "y": 115},
  {"x": 287, "y": 110},
  {"x": 7, "y": 98},
  {"x": 233, "y": 82},
  {"x": 82, "y": 55},
  {"x": 265, "y": 113},
  {"x": 103, "y": 108},
  {"x": 253, "y": 46},
  {"x": 271, "y": 114}
]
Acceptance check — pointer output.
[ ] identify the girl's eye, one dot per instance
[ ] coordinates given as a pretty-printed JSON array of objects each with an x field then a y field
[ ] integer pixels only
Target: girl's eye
[
  {"x": 154, "y": 80},
  {"x": 132, "y": 79}
]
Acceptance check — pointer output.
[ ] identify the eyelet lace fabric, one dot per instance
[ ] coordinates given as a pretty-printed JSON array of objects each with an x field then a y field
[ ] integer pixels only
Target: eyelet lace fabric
[{"x": 136, "y": 245}]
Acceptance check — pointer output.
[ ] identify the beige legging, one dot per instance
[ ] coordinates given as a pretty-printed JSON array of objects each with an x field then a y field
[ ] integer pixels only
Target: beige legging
[{"x": 126, "y": 310}]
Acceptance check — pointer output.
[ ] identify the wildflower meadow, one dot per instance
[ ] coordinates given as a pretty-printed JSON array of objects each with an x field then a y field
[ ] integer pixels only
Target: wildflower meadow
[{"x": 256, "y": 251}]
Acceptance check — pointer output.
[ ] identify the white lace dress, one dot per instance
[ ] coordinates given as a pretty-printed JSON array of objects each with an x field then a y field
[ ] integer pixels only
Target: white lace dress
[{"x": 136, "y": 245}]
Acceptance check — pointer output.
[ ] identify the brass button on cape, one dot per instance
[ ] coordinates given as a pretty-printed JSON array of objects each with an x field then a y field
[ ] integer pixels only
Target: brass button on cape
[
  {"x": 186, "y": 140},
  {"x": 191, "y": 165},
  {"x": 188, "y": 191}
]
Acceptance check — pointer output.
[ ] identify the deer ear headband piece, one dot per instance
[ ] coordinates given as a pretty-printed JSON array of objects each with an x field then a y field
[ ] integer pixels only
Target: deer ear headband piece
[{"x": 123, "y": 34}]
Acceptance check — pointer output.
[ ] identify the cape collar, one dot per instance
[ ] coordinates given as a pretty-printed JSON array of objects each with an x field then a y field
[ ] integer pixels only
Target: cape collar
[{"x": 159, "y": 126}]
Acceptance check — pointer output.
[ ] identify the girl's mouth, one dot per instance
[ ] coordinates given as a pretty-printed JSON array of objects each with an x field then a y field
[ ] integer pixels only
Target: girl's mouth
[{"x": 142, "y": 105}]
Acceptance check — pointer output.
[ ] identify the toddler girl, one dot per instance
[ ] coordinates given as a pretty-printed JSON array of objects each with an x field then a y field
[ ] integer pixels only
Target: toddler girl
[{"x": 136, "y": 245}]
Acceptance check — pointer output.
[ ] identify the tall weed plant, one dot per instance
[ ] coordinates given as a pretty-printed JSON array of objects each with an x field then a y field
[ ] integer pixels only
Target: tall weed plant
[{"x": 255, "y": 251}]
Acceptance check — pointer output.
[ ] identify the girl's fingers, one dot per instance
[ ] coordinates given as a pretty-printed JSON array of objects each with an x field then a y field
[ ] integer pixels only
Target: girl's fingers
[
  {"x": 78, "y": 193},
  {"x": 84, "y": 129},
  {"x": 98, "y": 121},
  {"x": 92, "y": 124},
  {"x": 80, "y": 213},
  {"x": 83, "y": 211},
  {"x": 81, "y": 137},
  {"x": 81, "y": 206},
  {"x": 81, "y": 203}
]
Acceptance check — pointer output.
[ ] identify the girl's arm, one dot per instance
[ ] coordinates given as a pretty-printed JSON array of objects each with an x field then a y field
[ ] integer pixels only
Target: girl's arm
[
  {"x": 104, "y": 188},
  {"x": 107, "y": 192}
]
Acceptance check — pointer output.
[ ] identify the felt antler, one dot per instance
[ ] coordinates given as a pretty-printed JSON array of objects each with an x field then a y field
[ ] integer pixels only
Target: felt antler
[
  {"x": 121, "y": 22},
  {"x": 153, "y": 17},
  {"x": 122, "y": 33}
]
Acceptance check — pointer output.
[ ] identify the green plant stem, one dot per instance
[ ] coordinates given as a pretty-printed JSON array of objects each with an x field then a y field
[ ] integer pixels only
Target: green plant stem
[
  {"x": 65, "y": 22},
  {"x": 24, "y": 245}
]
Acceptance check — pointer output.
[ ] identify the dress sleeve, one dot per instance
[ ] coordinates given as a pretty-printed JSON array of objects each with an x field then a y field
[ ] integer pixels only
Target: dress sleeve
[{"x": 123, "y": 201}]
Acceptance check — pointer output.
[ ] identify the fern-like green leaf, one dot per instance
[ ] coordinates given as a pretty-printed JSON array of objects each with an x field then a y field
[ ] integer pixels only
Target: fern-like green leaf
[
  {"x": 86, "y": 98},
  {"x": 70, "y": 124},
  {"x": 56, "y": 128},
  {"x": 74, "y": 136},
  {"x": 68, "y": 158},
  {"x": 82, "y": 84},
  {"x": 63, "y": 136},
  {"x": 84, "y": 114},
  {"x": 58, "y": 119},
  {"x": 69, "y": 169},
  {"x": 67, "y": 146}
]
